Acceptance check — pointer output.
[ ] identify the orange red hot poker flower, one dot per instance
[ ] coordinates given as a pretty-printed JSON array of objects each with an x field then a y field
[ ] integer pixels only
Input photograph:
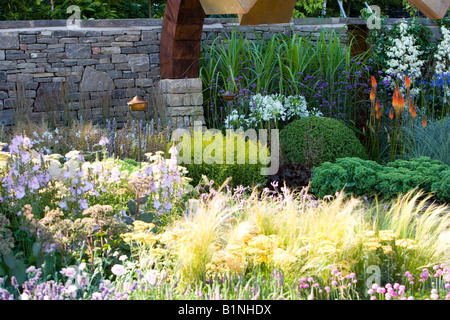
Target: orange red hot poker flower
[
  {"x": 412, "y": 109},
  {"x": 373, "y": 81},
  {"x": 373, "y": 93},
  {"x": 378, "y": 110},
  {"x": 391, "y": 113},
  {"x": 395, "y": 98},
  {"x": 407, "y": 82}
]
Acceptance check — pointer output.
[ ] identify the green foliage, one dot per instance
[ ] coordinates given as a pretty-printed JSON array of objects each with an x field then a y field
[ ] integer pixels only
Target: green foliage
[
  {"x": 89, "y": 9},
  {"x": 314, "y": 140},
  {"x": 442, "y": 186},
  {"x": 246, "y": 174},
  {"x": 365, "y": 177}
]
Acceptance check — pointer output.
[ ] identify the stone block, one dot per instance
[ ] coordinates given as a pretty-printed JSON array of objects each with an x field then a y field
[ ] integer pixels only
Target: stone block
[
  {"x": 119, "y": 94},
  {"x": 105, "y": 66},
  {"x": 2, "y": 54},
  {"x": 124, "y": 83},
  {"x": 8, "y": 65},
  {"x": 154, "y": 59},
  {"x": 148, "y": 49},
  {"x": 43, "y": 75},
  {"x": 174, "y": 100},
  {"x": 78, "y": 51},
  {"x": 130, "y": 75},
  {"x": 122, "y": 44},
  {"x": 7, "y": 117},
  {"x": 119, "y": 58},
  {"x": 20, "y": 77},
  {"x": 9, "y": 40},
  {"x": 17, "y": 56},
  {"x": 149, "y": 36},
  {"x": 87, "y": 62},
  {"x": 26, "y": 65},
  {"x": 94, "y": 80},
  {"x": 180, "y": 86},
  {"x": 115, "y": 74},
  {"x": 47, "y": 40},
  {"x": 144, "y": 82},
  {"x": 139, "y": 62},
  {"x": 37, "y": 46},
  {"x": 110, "y": 50},
  {"x": 127, "y": 37},
  {"x": 128, "y": 50},
  {"x": 123, "y": 66},
  {"x": 49, "y": 96},
  {"x": 3, "y": 76},
  {"x": 28, "y": 39},
  {"x": 68, "y": 40}
]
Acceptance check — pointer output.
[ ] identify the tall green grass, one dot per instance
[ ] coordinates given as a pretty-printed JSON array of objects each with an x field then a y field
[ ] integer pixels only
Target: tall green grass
[{"x": 313, "y": 66}]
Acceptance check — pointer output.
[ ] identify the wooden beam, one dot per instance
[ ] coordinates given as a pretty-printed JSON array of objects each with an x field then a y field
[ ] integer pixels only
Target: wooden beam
[
  {"x": 432, "y": 9},
  {"x": 181, "y": 39}
]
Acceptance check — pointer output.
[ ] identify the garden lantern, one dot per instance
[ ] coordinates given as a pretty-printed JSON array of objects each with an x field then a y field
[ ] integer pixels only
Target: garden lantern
[
  {"x": 137, "y": 105},
  {"x": 228, "y": 96}
]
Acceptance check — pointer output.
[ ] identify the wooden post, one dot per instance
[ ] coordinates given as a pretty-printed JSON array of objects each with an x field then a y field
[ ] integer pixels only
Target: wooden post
[{"x": 181, "y": 39}]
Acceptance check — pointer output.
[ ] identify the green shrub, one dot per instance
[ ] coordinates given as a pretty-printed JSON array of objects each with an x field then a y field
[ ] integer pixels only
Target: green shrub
[
  {"x": 365, "y": 177},
  {"x": 314, "y": 140},
  {"x": 245, "y": 174},
  {"x": 442, "y": 186}
]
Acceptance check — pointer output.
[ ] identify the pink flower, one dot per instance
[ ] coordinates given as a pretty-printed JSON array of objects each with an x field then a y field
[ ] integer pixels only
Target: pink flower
[
  {"x": 381, "y": 290},
  {"x": 152, "y": 277},
  {"x": 103, "y": 141},
  {"x": 118, "y": 269},
  {"x": 68, "y": 272}
]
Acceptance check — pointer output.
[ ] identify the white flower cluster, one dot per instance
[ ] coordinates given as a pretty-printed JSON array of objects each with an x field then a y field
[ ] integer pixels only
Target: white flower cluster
[
  {"x": 268, "y": 108},
  {"x": 404, "y": 57},
  {"x": 443, "y": 53}
]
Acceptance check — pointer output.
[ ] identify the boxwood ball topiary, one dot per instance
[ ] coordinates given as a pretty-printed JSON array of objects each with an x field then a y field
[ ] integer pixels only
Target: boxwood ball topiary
[{"x": 315, "y": 140}]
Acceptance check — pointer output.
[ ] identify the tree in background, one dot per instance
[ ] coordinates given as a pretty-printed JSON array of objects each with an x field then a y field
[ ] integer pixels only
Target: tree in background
[
  {"x": 90, "y": 9},
  {"x": 314, "y": 8}
]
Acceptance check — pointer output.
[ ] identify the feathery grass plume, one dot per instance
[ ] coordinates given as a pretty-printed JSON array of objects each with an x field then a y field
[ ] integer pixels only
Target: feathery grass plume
[
  {"x": 414, "y": 217},
  {"x": 197, "y": 237}
]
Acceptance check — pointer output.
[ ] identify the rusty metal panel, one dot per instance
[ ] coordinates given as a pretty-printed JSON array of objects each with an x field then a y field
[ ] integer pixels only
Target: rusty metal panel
[
  {"x": 227, "y": 6},
  {"x": 432, "y": 9},
  {"x": 268, "y": 12}
]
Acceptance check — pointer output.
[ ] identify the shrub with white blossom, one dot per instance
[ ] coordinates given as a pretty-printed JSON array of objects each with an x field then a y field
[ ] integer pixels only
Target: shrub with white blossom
[
  {"x": 442, "y": 55},
  {"x": 404, "y": 57},
  {"x": 270, "y": 108}
]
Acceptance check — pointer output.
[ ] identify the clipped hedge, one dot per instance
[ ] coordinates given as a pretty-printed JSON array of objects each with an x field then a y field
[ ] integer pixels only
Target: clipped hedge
[
  {"x": 315, "y": 140},
  {"x": 245, "y": 174},
  {"x": 365, "y": 177}
]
